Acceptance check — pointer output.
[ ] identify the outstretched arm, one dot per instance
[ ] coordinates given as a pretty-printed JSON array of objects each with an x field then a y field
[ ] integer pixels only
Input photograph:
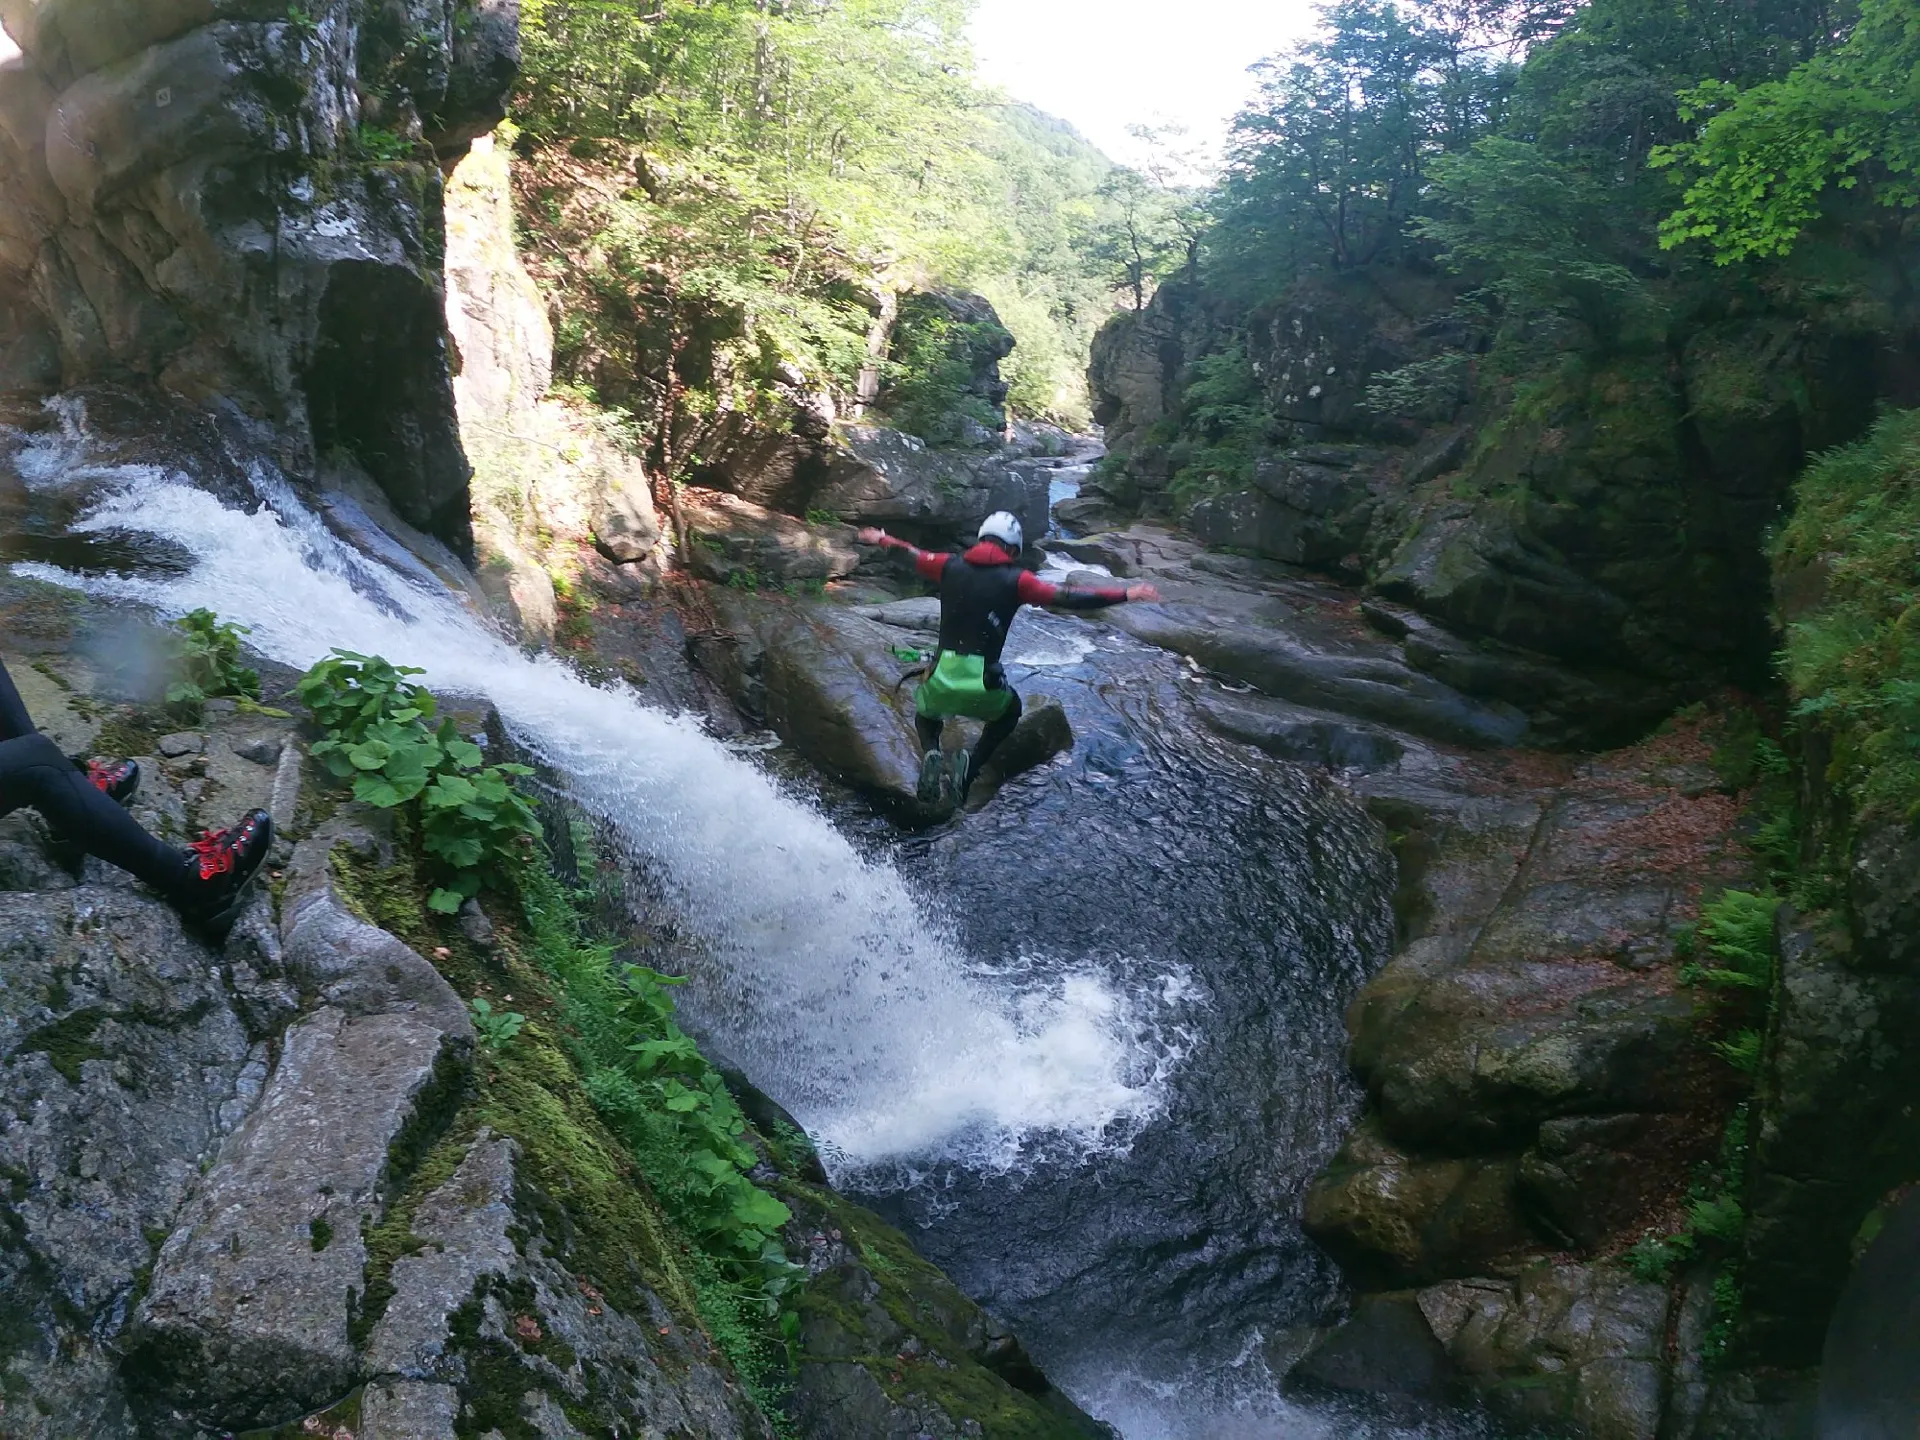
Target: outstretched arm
[
  {"x": 1035, "y": 591},
  {"x": 929, "y": 563}
]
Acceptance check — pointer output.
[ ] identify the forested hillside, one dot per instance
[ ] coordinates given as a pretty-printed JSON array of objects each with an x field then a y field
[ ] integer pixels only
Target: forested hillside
[
  {"x": 1590, "y": 282},
  {"x": 1591, "y": 182},
  {"x": 746, "y": 187}
]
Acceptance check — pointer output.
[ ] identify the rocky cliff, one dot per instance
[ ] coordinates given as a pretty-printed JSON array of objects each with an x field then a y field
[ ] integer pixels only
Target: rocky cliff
[
  {"x": 1594, "y": 532},
  {"x": 242, "y": 203}
]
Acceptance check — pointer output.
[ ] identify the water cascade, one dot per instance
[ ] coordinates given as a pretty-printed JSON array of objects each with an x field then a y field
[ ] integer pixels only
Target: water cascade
[{"x": 1088, "y": 1042}]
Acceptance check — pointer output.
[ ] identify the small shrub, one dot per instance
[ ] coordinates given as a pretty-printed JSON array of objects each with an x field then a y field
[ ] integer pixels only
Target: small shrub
[
  {"x": 207, "y": 658},
  {"x": 1742, "y": 1051},
  {"x": 379, "y": 735},
  {"x": 382, "y": 146},
  {"x": 1718, "y": 1217},
  {"x": 1736, "y": 931},
  {"x": 496, "y": 1028},
  {"x": 1653, "y": 1257}
]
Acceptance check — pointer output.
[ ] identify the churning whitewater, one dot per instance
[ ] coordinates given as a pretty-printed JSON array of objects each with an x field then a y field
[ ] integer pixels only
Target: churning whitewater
[{"x": 820, "y": 970}]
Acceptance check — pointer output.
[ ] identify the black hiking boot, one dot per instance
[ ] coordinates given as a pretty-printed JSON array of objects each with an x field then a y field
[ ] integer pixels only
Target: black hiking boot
[
  {"x": 959, "y": 778},
  {"x": 933, "y": 777},
  {"x": 221, "y": 864},
  {"x": 118, "y": 780}
]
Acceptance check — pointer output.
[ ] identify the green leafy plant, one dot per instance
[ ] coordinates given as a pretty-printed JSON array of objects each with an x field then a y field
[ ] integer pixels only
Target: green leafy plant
[
  {"x": 380, "y": 735},
  {"x": 496, "y": 1028},
  {"x": 1742, "y": 1051},
  {"x": 1718, "y": 1217},
  {"x": 1762, "y": 161},
  {"x": 1736, "y": 933},
  {"x": 382, "y": 146},
  {"x": 207, "y": 657},
  {"x": 1653, "y": 1257},
  {"x": 665, "y": 1077}
]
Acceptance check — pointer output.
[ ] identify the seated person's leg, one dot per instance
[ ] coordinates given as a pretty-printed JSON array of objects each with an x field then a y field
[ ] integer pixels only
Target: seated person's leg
[
  {"x": 14, "y": 720},
  {"x": 199, "y": 880}
]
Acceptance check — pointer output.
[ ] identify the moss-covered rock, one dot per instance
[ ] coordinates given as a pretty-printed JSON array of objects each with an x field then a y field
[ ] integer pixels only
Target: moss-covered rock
[{"x": 889, "y": 1346}]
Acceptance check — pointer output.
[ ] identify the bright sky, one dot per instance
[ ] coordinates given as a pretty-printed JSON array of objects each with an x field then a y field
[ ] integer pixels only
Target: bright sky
[{"x": 1105, "y": 64}]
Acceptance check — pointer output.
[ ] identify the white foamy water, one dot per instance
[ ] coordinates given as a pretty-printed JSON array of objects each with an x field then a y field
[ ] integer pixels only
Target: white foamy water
[{"x": 822, "y": 973}]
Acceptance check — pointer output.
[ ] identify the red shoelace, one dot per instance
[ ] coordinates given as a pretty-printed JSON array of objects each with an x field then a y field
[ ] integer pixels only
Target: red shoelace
[
  {"x": 216, "y": 850},
  {"x": 105, "y": 774}
]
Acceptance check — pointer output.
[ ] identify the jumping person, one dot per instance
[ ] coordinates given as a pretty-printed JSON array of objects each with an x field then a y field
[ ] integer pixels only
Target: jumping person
[
  {"x": 83, "y": 802},
  {"x": 980, "y": 592}
]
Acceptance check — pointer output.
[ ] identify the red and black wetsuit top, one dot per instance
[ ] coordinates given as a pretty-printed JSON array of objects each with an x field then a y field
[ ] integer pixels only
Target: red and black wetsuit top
[{"x": 982, "y": 590}]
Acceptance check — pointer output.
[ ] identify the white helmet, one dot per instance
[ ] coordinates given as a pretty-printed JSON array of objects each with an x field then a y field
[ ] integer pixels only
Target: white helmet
[{"x": 1004, "y": 527}]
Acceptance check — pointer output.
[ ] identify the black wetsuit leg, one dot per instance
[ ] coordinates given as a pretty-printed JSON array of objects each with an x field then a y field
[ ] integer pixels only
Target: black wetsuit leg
[
  {"x": 993, "y": 737},
  {"x": 929, "y": 728},
  {"x": 14, "y": 720},
  {"x": 34, "y": 773}
]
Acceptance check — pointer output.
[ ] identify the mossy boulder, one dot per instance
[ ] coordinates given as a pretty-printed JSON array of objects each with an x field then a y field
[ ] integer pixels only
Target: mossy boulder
[{"x": 889, "y": 1346}]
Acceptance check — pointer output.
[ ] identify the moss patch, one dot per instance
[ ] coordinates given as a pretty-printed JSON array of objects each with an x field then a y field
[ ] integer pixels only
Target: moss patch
[
  {"x": 531, "y": 1091},
  {"x": 68, "y": 1043},
  {"x": 934, "y": 1364},
  {"x": 393, "y": 1237}
]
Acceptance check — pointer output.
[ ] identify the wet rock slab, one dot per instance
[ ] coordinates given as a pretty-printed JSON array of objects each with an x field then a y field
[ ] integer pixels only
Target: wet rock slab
[{"x": 251, "y": 1297}]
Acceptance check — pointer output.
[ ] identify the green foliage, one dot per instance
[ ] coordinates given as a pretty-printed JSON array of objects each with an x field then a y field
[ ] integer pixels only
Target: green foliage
[
  {"x": 1726, "y": 1314},
  {"x": 382, "y": 146},
  {"x": 1737, "y": 932},
  {"x": 654, "y": 1088},
  {"x": 1715, "y": 1226},
  {"x": 1653, "y": 1257},
  {"x": 1742, "y": 1051},
  {"x": 1534, "y": 232},
  {"x": 496, "y": 1028},
  {"x": 1430, "y": 389},
  {"x": 380, "y": 735},
  {"x": 1765, "y": 160},
  {"x": 206, "y": 654},
  {"x": 1852, "y": 655},
  {"x": 1717, "y": 1217},
  {"x": 1515, "y": 144},
  {"x": 935, "y": 360},
  {"x": 724, "y": 186},
  {"x": 1330, "y": 161},
  {"x": 1224, "y": 422}
]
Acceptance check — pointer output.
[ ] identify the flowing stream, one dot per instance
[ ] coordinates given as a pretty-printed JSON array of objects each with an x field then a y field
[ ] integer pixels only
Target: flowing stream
[{"x": 1084, "y": 1045}]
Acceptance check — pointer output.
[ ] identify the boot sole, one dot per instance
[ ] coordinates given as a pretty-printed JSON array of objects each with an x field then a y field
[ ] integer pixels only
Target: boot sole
[
  {"x": 956, "y": 778},
  {"x": 933, "y": 778}
]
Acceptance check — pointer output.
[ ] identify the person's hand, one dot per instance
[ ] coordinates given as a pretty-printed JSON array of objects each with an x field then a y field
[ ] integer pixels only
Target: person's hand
[
  {"x": 1142, "y": 592},
  {"x": 871, "y": 536}
]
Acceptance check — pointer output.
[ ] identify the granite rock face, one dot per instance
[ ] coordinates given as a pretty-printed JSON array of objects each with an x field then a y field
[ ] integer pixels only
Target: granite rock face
[
  {"x": 231, "y": 203},
  {"x": 1611, "y": 525}
]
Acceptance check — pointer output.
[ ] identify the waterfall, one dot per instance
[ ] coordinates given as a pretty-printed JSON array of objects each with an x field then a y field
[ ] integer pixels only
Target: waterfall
[{"x": 821, "y": 972}]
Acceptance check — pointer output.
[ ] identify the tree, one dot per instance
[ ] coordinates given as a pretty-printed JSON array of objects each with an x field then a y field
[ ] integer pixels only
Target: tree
[
  {"x": 1764, "y": 160},
  {"x": 1176, "y": 166},
  {"x": 1538, "y": 237},
  {"x": 1330, "y": 161},
  {"x": 1136, "y": 242}
]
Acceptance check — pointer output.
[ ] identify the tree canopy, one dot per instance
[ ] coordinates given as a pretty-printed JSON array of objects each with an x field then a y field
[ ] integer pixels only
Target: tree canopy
[{"x": 755, "y": 175}]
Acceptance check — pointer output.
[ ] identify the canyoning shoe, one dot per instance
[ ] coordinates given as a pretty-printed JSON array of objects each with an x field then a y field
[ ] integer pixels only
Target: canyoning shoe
[
  {"x": 933, "y": 775},
  {"x": 118, "y": 780},
  {"x": 221, "y": 864},
  {"x": 959, "y": 778}
]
